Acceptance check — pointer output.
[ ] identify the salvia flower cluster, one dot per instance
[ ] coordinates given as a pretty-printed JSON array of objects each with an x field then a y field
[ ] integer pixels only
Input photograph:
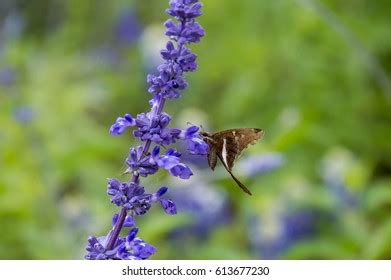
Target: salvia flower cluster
[{"x": 152, "y": 129}]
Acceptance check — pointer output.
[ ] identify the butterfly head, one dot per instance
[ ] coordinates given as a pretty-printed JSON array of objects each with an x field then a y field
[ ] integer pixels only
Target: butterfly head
[{"x": 206, "y": 136}]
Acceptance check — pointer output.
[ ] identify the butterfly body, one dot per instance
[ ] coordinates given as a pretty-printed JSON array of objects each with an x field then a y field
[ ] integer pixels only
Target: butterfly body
[{"x": 227, "y": 146}]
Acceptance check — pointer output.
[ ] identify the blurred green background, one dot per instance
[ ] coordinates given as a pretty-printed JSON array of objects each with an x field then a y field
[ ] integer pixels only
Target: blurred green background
[{"x": 314, "y": 74}]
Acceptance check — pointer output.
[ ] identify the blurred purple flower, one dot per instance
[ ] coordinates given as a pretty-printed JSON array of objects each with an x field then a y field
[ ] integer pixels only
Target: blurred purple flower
[
  {"x": 106, "y": 55},
  {"x": 288, "y": 229},
  {"x": 259, "y": 164},
  {"x": 24, "y": 114},
  {"x": 333, "y": 170},
  {"x": 13, "y": 23},
  {"x": 207, "y": 204},
  {"x": 127, "y": 28},
  {"x": 7, "y": 76},
  {"x": 341, "y": 193}
]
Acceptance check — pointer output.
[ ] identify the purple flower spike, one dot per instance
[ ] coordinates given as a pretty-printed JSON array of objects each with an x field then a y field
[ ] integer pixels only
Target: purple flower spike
[
  {"x": 95, "y": 249},
  {"x": 129, "y": 195},
  {"x": 182, "y": 171},
  {"x": 167, "y": 84},
  {"x": 192, "y": 33},
  {"x": 116, "y": 190},
  {"x": 141, "y": 250},
  {"x": 161, "y": 191},
  {"x": 190, "y": 132},
  {"x": 195, "y": 144},
  {"x": 121, "y": 124},
  {"x": 184, "y": 9},
  {"x": 140, "y": 164},
  {"x": 170, "y": 53},
  {"x": 134, "y": 248},
  {"x": 129, "y": 248},
  {"x": 173, "y": 29},
  {"x": 129, "y": 221},
  {"x": 187, "y": 60},
  {"x": 132, "y": 234},
  {"x": 114, "y": 219},
  {"x": 170, "y": 161},
  {"x": 153, "y": 129},
  {"x": 168, "y": 206}
]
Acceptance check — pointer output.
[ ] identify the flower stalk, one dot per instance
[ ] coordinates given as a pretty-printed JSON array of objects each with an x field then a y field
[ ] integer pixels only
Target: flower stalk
[{"x": 152, "y": 128}]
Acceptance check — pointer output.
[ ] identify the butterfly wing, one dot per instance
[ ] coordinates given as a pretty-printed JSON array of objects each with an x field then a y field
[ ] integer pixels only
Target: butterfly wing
[
  {"x": 212, "y": 157},
  {"x": 230, "y": 143}
]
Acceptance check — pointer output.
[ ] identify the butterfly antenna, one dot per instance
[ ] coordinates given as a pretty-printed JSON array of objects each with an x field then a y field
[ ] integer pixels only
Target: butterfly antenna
[{"x": 202, "y": 128}]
